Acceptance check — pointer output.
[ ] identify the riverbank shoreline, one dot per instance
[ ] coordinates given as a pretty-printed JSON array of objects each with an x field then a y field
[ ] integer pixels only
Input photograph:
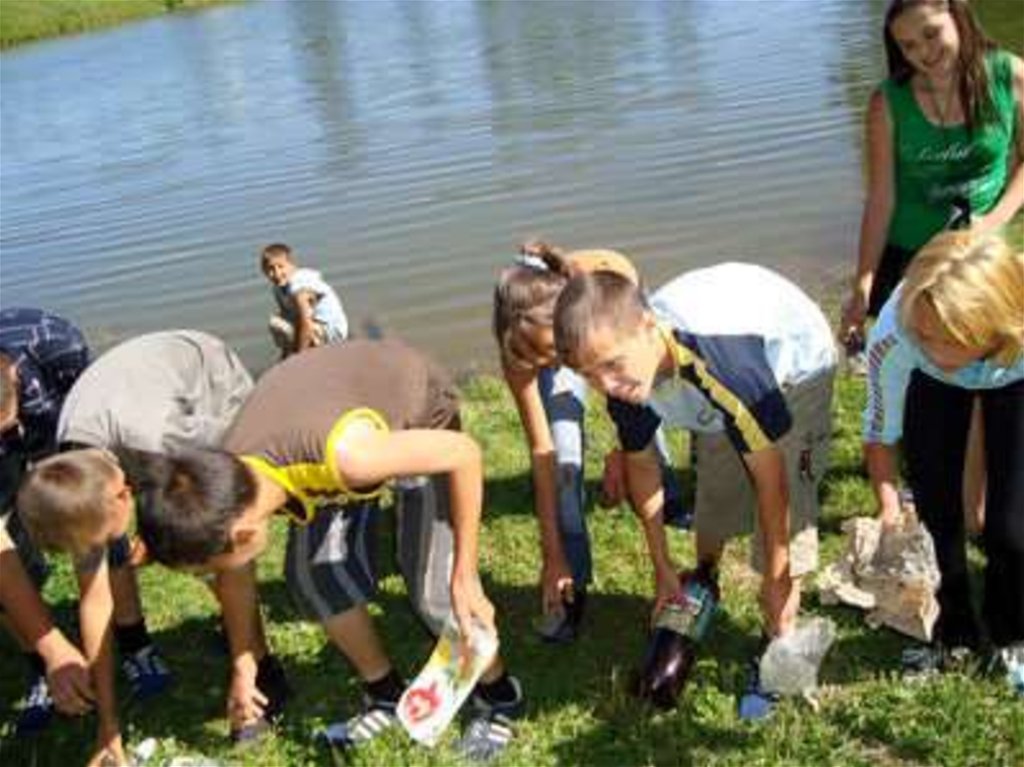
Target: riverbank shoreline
[{"x": 27, "y": 21}]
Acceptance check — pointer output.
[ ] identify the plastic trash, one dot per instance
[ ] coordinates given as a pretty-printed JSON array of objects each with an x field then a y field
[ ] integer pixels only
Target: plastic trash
[
  {"x": 429, "y": 704},
  {"x": 143, "y": 751},
  {"x": 790, "y": 663},
  {"x": 1013, "y": 661}
]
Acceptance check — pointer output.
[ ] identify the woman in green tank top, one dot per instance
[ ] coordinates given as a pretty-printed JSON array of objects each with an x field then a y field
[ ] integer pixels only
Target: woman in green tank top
[
  {"x": 945, "y": 146},
  {"x": 944, "y": 142}
]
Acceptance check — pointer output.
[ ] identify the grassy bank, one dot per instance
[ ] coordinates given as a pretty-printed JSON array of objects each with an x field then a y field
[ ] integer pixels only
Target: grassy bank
[
  {"x": 22, "y": 21},
  {"x": 579, "y": 712}
]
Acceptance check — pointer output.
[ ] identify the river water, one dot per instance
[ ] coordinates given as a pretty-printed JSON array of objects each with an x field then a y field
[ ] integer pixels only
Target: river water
[{"x": 406, "y": 148}]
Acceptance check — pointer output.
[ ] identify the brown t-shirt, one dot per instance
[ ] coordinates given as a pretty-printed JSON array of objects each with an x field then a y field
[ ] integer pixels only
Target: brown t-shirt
[{"x": 288, "y": 427}]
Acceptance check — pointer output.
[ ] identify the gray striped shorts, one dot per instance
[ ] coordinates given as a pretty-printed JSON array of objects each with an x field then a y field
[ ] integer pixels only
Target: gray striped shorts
[{"x": 330, "y": 564}]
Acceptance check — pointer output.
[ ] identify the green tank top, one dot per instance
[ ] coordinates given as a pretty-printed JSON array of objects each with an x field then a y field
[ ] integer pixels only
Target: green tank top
[{"x": 937, "y": 166}]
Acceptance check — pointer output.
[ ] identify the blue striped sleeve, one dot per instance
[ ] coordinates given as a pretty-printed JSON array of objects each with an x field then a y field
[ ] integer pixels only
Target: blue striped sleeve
[{"x": 636, "y": 424}]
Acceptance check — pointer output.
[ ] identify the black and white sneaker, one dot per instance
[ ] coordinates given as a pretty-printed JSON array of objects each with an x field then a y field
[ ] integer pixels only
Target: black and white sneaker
[
  {"x": 36, "y": 708},
  {"x": 491, "y": 728},
  {"x": 376, "y": 718},
  {"x": 147, "y": 673}
]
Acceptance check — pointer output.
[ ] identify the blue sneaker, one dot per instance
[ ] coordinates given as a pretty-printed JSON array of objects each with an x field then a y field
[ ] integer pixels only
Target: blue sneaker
[
  {"x": 490, "y": 730},
  {"x": 147, "y": 673},
  {"x": 755, "y": 703},
  {"x": 36, "y": 709}
]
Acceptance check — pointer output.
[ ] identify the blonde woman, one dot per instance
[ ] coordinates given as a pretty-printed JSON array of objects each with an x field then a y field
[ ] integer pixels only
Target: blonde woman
[{"x": 951, "y": 333}]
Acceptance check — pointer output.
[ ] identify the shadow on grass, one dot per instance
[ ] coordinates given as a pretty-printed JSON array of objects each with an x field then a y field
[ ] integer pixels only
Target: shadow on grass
[{"x": 586, "y": 681}]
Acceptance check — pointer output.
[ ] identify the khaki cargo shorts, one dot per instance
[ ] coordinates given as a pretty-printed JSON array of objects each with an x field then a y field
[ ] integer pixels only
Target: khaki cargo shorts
[{"x": 726, "y": 502}]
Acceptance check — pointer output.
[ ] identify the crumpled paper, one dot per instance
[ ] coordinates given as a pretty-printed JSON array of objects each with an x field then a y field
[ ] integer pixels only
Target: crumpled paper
[{"x": 892, "y": 574}]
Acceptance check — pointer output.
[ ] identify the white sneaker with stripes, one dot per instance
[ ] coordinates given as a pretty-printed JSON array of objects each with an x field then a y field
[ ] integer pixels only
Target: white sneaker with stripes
[
  {"x": 491, "y": 729},
  {"x": 377, "y": 717}
]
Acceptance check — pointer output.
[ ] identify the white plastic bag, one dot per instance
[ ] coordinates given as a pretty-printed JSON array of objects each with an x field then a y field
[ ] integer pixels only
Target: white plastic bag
[{"x": 789, "y": 665}]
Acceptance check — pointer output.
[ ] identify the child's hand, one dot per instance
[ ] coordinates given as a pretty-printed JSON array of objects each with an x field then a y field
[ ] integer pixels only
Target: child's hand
[
  {"x": 246, "y": 704},
  {"x": 556, "y": 584},
  {"x": 67, "y": 675},
  {"x": 667, "y": 589},
  {"x": 855, "y": 312},
  {"x": 109, "y": 752},
  {"x": 469, "y": 602}
]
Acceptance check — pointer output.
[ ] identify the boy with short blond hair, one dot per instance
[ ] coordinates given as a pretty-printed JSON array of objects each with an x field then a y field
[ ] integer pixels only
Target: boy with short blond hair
[
  {"x": 309, "y": 310},
  {"x": 154, "y": 393},
  {"x": 741, "y": 357}
]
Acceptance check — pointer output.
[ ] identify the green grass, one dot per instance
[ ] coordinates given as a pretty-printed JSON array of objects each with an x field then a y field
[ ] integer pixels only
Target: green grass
[
  {"x": 579, "y": 711},
  {"x": 22, "y": 21}
]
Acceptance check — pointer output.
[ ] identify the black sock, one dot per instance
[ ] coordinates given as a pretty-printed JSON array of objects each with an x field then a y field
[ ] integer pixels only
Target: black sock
[
  {"x": 388, "y": 688},
  {"x": 131, "y": 639},
  {"x": 501, "y": 690},
  {"x": 36, "y": 664}
]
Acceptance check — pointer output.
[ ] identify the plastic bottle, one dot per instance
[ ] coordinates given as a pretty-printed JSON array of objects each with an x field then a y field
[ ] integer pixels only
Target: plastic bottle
[{"x": 678, "y": 630}]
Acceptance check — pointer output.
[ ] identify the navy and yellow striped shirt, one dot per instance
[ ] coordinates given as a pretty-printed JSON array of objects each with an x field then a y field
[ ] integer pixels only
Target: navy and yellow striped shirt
[{"x": 740, "y": 334}]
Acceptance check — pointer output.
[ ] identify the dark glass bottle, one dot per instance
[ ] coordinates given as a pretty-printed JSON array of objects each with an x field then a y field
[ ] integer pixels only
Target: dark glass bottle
[{"x": 678, "y": 630}]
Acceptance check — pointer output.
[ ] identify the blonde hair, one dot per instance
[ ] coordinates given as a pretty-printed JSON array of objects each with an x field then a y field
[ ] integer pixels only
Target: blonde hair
[
  {"x": 975, "y": 286},
  {"x": 65, "y": 497}
]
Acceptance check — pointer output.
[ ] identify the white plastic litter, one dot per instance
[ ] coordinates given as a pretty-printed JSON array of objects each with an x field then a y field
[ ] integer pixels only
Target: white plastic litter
[
  {"x": 144, "y": 751},
  {"x": 1013, "y": 661},
  {"x": 892, "y": 573},
  {"x": 789, "y": 665},
  {"x": 430, "y": 703}
]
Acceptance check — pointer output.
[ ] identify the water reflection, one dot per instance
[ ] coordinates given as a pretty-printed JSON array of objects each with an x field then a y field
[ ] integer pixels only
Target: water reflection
[{"x": 404, "y": 148}]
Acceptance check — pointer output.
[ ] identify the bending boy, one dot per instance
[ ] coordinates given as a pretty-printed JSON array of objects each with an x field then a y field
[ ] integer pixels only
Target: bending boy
[
  {"x": 318, "y": 439},
  {"x": 157, "y": 392},
  {"x": 743, "y": 358}
]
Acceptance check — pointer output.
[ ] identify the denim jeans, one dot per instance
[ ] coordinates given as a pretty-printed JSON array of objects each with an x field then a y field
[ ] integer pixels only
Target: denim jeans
[{"x": 564, "y": 394}]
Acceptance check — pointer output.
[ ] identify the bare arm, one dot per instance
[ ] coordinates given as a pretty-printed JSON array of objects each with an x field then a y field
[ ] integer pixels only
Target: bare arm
[
  {"x": 1012, "y": 199},
  {"x": 526, "y": 394},
  {"x": 646, "y": 496},
  {"x": 305, "y": 301},
  {"x": 778, "y": 600},
  {"x": 366, "y": 457},
  {"x": 96, "y": 616},
  {"x": 878, "y": 209},
  {"x": 66, "y": 669},
  {"x": 883, "y": 475},
  {"x": 236, "y": 593}
]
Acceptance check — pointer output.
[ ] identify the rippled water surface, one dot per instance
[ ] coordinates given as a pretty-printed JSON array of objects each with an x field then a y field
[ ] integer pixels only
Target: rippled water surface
[{"x": 405, "y": 148}]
